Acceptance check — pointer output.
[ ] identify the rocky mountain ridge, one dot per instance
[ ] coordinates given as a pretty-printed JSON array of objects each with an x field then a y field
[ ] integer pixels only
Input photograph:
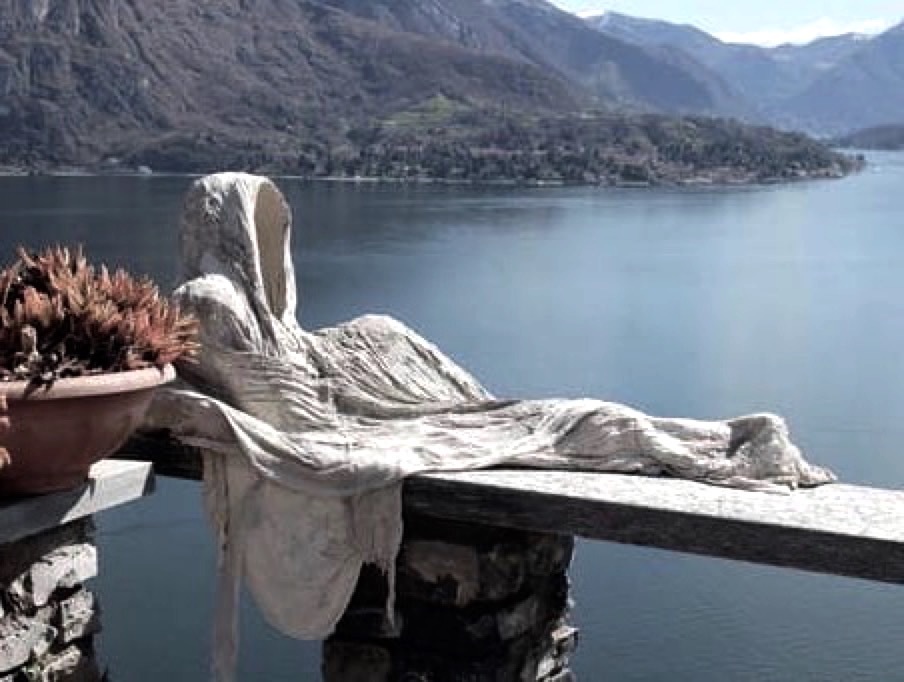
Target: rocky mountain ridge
[
  {"x": 85, "y": 79},
  {"x": 615, "y": 72},
  {"x": 828, "y": 86},
  {"x": 310, "y": 86},
  {"x": 885, "y": 137}
]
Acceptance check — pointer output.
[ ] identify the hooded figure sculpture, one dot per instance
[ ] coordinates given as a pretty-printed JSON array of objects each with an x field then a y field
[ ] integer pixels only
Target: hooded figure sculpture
[{"x": 307, "y": 436}]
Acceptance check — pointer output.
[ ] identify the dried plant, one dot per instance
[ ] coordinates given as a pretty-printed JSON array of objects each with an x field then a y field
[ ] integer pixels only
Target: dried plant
[{"x": 61, "y": 317}]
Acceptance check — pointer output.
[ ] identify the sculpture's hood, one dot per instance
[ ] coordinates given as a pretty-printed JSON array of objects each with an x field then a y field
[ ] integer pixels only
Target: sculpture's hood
[{"x": 239, "y": 226}]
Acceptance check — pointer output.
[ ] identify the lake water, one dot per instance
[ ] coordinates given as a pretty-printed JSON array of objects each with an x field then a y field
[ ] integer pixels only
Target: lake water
[{"x": 704, "y": 303}]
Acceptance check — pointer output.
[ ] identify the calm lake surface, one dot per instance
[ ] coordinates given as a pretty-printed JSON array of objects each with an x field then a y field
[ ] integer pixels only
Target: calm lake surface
[{"x": 704, "y": 303}]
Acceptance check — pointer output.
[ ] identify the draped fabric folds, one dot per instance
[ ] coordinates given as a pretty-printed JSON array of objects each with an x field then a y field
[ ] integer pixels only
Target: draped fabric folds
[{"x": 308, "y": 435}]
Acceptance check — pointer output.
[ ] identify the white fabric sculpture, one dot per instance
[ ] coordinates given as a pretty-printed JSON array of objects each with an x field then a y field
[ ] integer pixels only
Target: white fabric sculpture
[{"x": 307, "y": 435}]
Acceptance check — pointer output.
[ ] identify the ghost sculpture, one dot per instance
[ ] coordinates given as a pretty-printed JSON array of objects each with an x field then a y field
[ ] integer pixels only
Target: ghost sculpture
[{"x": 307, "y": 436}]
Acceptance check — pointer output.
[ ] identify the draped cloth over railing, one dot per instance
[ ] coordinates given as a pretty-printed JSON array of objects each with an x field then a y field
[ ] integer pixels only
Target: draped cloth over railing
[{"x": 308, "y": 435}]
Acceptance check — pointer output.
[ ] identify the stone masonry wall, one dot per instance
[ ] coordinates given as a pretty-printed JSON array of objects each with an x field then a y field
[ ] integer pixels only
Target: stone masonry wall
[
  {"x": 47, "y": 616},
  {"x": 474, "y": 604}
]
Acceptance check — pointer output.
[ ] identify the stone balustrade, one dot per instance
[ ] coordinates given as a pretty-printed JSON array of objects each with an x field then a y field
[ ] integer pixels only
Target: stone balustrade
[
  {"x": 48, "y": 616},
  {"x": 474, "y": 603}
]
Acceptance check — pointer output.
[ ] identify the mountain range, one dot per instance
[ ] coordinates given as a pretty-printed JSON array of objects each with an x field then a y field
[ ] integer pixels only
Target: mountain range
[
  {"x": 888, "y": 137},
  {"x": 193, "y": 85},
  {"x": 83, "y": 79},
  {"x": 829, "y": 86},
  {"x": 609, "y": 71}
]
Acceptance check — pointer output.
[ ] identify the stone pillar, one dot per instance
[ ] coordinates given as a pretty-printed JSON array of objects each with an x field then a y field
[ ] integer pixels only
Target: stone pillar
[
  {"x": 47, "y": 616},
  {"x": 473, "y": 604}
]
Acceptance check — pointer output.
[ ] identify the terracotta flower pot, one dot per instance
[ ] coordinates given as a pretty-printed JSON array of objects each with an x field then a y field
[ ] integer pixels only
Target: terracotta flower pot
[{"x": 51, "y": 436}]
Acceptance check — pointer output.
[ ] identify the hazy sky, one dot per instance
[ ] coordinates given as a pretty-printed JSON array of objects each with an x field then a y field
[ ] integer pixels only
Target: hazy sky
[{"x": 762, "y": 21}]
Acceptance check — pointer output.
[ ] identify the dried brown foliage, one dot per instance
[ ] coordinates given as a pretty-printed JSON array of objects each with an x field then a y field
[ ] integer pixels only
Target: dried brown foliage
[{"x": 60, "y": 316}]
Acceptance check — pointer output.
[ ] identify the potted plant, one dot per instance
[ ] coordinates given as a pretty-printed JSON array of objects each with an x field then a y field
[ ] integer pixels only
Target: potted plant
[{"x": 81, "y": 352}]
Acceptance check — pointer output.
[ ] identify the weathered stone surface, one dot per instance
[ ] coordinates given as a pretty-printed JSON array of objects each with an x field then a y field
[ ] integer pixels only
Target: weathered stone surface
[
  {"x": 72, "y": 664},
  {"x": 22, "y": 639},
  {"x": 486, "y": 625},
  {"x": 78, "y": 617},
  {"x": 66, "y": 567},
  {"x": 449, "y": 573},
  {"x": 453, "y": 563},
  {"x": 520, "y": 619},
  {"x": 475, "y": 603},
  {"x": 839, "y": 529},
  {"x": 459, "y": 574},
  {"x": 63, "y": 569},
  {"x": 563, "y": 641},
  {"x": 110, "y": 484},
  {"x": 17, "y": 558},
  {"x": 48, "y": 617}
]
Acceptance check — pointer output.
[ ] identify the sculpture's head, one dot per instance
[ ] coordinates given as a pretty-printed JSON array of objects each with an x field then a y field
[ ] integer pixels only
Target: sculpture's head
[{"x": 239, "y": 226}]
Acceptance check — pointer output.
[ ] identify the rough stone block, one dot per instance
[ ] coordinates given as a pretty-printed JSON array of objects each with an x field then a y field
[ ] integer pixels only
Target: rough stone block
[
  {"x": 449, "y": 644},
  {"x": 72, "y": 664},
  {"x": 78, "y": 616},
  {"x": 454, "y": 573},
  {"x": 45, "y": 607},
  {"x": 476, "y": 604},
  {"x": 565, "y": 639},
  {"x": 486, "y": 626},
  {"x": 519, "y": 619},
  {"x": 440, "y": 571},
  {"x": 16, "y": 559},
  {"x": 66, "y": 567},
  {"x": 22, "y": 639}
]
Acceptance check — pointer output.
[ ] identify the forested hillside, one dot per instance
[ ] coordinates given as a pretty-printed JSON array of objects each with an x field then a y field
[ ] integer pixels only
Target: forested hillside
[{"x": 474, "y": 89}]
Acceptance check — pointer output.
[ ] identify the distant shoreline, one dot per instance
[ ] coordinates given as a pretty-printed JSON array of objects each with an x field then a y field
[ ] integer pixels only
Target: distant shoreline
[{"x": 722, "y": 177}]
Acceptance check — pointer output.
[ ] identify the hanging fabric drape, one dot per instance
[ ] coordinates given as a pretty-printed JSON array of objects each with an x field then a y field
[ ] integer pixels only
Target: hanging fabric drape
[{"x": 307, "y": 436}]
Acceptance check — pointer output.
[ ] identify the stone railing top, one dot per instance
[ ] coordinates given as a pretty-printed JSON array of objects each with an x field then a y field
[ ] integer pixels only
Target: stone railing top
[
  {"x": 842, "y": 530},
  {"x": 846, "y": 530},
  {"x": 111, "y": 484}
]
